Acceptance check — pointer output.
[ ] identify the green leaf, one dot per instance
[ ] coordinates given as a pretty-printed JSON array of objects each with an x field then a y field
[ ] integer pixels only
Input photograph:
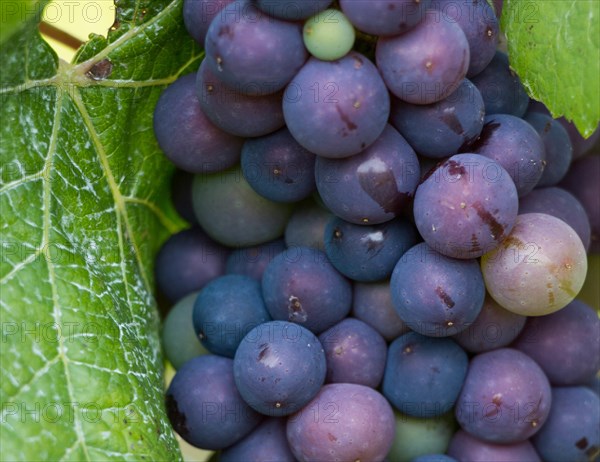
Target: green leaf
[
  {"x": 554, "y": 46},
  {"x": 85, "y": 205},
  {"x": 17, "y": 15}
]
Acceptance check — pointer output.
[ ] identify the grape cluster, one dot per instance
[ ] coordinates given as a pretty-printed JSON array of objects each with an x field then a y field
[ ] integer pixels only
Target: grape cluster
[{"x": 387, "y": 238}]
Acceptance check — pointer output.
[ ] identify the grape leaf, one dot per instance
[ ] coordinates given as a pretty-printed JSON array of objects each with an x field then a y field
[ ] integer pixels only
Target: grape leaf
[
  {"x": 554, "y": 46},
  {"x": 85, "y": 205},
  {"x": 18, "y": 14}
]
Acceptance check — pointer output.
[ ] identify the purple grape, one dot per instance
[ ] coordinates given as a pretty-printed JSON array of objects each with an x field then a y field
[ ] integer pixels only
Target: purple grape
[
  {"x": 561, "y": 204},
  {"x": 278, "y": 168},
  {"x": 494, "y": 328},
  {"x": 565, "y": 344},
  {"x": 372, "y": 304},
  {"x": 187, "y": 261},
  {"x": 226, "y": 309},
  {"x": 505, "y": 398},
  {"x": 186, "y": 135},
  {"x": 480, "y": 25},
  {"x": 198, "y": 14},
  {"x": 204, "y": 405},
  {"x": 581, "y": 145},
  {"x": 572, "y": 431},
  {"x": 301, "y": 286},
  {"x": 436, "y": 295},
  {"x": 384, "y": 17},
  {"x": 292, "y": 10},
  {"x": 372, "y": 187},
  {"x": 467, "y": 448},
  {"x": 538, "y": 269},
  {"x": 241, "y": 39},
  {"x": 516, "y": 146},
  {"x": 232, "y": 213},
  {"x": 235, "y": 113},
  {"x": 424, "y": 375},
  {"x": 501, "y": 89},
  {"x": 557, "y": 145},
  {"x": 582, "y": 182},
  {"x": 466, "y": 206},
  {"x": 367, "y": 253},
  {"x": 344, "y": 422},
  {"x": 452, "y": 123},
  {"x": 266, "y": 443},
  {"x": 355, "y": 353},
  {"x": 279, "y": 367},
  {"x": 306, "y": 226},
  {"x": 336, "y": 108},
  {"x": 427, "y": 63},
  {"x": 252, "y": 261}
]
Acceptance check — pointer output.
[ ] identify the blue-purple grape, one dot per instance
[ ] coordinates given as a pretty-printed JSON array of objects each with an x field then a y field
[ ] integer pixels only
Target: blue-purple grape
[
  {"x": 204, "y": 405},
  {"x": 466, "y": 206},
  {"x": 501, "y": 88},
  {"x": 187, "y": 261},
  {"x": 292, "y": 10},
  {"x": 505, "y": 399},
  {"x": 372, "y": 304},
  {"x": 467, "y": 448},
  {"x": 372, "y": 187},
  {"x": 278, "y": 168},
  {"x": 301, "y": 286},
  {"x": 557, "y": 146},
  {"x": 384, "y": 17},
  {"x": 234, "y": 112},
  {"x": 367, "y": 253},
  {"x": 198, "y": 14},
  {"x": 572, "y": 431},
  {"x": 427, "y": 63},
  {"x": 252, "y": 261},
  {"x": 266, "y": 443},
  {"x": 452, "y": 123},
  {"x": 582, "y": 182},
  {"x": 516, "y": 146},
  {"x": 424, "y": 375},
  {"x": 242, "y": 38},
  {"x": 565, "y": 344},
  {"x": 278, "y": 367},
  {"x": 186, "y": 134},
  {"x": 355, "y": 353},
  {"x": 436, "y": 295},
  {"x": 493, "y": 328},
  {"x": 336, "y": 108},
  {"x": 480, "y": 25},
  {"x": 345, "y": 421},
  {"x": 226, "y": 309}
]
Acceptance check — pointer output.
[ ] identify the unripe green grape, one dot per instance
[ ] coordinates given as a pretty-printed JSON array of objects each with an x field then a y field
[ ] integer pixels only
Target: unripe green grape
[{"x": 328, "y": 35}]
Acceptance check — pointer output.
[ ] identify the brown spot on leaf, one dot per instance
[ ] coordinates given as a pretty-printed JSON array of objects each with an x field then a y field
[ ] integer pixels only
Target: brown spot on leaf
[{"x": 101, "y": 70}]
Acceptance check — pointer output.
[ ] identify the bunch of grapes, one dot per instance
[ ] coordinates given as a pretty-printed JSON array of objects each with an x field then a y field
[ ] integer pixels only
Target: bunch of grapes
[{"x": 379, "y": 242}]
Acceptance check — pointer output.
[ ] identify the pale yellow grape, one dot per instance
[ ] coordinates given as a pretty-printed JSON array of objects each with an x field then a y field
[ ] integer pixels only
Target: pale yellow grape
[
  {"x": 538, "y": 269},
  {"x": 328, "y": 35}
]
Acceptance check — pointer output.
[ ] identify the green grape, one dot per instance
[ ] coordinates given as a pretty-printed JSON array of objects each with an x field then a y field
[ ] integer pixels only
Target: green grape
[
  {"x": 417, "y": 436},
  {"x": 180, "y": 343},
  {"x": 328, "y": 35}
]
